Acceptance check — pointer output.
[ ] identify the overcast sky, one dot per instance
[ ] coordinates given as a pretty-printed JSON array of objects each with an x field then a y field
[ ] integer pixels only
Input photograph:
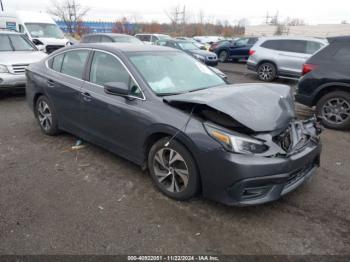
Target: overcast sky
[{"x": 312, "y": 11}]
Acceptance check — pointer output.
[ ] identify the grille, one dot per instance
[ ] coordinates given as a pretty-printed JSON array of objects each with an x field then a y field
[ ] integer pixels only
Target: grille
[
  {"x": 19, "y": 68},
  {"x": 212, "y": 57},
  {"x": 297, "y": 175},
  {"x": 52, "y": 48}
]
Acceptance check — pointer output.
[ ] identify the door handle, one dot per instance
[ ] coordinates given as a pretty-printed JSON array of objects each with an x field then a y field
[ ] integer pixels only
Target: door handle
[
  {"x": 86, "y": 96},
  {"x": 50, "y": 83}
]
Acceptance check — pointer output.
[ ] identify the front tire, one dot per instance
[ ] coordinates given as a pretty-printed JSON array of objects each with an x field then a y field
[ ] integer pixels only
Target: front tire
[
  {"x": 334, "y": 109},
  {"x": 46, "y": 116},
  {"x": 173, "y": 170},
  {"x": 267, "y": 72},
  {"x": 223, "y": 56}
]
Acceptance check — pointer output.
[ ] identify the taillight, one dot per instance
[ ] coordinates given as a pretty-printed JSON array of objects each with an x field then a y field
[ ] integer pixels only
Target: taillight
[
  {"x": 307, "y": 68},
  {"x": 251, "y": 52}
]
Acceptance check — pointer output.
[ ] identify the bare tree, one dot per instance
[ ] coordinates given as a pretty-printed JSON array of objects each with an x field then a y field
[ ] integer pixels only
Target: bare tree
[
  {"x": 70, "y": 12},
  {"x": 177, "y": 16}
]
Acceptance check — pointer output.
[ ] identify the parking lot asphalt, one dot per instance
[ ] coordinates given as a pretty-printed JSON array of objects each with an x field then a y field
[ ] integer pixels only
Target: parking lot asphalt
[{"x": 55, "y": 200}]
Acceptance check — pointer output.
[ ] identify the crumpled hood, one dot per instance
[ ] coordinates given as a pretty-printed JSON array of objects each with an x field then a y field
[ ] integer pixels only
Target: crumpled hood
[
  {"x": 21, "y": 57},
  {"x": 260, "y": 107}
]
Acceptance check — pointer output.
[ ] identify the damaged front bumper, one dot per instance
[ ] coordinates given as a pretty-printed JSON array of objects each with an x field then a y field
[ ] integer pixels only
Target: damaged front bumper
[{"x": 238, "y": 179}]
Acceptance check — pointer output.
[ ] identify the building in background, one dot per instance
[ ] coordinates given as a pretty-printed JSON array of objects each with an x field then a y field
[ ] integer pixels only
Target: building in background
[{"x": 325, "y": 30}]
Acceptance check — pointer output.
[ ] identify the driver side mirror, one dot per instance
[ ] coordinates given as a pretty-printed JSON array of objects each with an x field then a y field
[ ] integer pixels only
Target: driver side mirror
[{"x": 116, "y": 88}]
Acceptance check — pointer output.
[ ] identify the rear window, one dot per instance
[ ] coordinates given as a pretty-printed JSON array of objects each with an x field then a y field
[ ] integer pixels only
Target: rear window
[
  {"x": 342, "y": 54},
  {"x": 313, "y": 47},
  {"x": 91, "y": 39},
  {"x": 146, "y": 38}
]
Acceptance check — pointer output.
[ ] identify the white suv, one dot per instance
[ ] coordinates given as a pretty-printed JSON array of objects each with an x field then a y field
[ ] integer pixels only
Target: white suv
[
  {"x": 282, "y": 56},
  {"x": 16, "y": 53}
]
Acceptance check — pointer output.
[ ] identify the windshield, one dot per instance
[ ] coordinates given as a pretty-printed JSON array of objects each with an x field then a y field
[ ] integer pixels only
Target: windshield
[
  {"x": 37, "y": 30},
  {"x": 173, "y": 72},
  {"x": 15, "y": 43},
  {"x": 187, "y": 46},
  {"x": 127, "y": 39}
]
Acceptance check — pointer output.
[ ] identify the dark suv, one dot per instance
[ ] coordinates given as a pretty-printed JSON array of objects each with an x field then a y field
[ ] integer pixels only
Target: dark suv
[{"x": 326, "y": 83}]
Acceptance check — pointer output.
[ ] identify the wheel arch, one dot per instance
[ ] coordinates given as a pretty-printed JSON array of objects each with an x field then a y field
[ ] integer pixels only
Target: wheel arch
[
  {"x": 328, "y": 88},
  {"x": 267, "y": 61},
  {"x": 180, "y": 137},
  {"x": 35, "y": 99}
]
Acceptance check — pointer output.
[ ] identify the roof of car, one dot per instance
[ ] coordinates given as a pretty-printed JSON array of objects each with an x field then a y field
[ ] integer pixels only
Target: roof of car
[
  {"x": 339, "y": 39},
  {"x": 123, "y": 47},
  {"x": 108, "y": 34},
  {"x": 12, "y": 32},
  {"x": 293, "y": 38}
]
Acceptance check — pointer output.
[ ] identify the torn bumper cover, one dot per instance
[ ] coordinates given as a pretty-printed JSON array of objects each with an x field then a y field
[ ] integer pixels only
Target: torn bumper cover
[{"x": 238, "y": 179}]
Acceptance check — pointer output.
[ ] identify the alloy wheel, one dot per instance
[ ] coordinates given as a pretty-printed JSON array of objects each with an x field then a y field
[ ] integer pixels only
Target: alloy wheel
[
  {"x": 44, "y": 115},
  {"x": 171, "y": 170},
  {"x": 336, "y": 110},
  {"x": 266, "y": 72}
]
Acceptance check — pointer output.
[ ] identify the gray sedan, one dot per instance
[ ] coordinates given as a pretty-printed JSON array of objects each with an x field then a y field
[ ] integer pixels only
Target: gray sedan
[{"x": 170, "y": 113}]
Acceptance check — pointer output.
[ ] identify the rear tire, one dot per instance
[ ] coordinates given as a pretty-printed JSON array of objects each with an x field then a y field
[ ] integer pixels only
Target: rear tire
[
  {"x": 173, "y": 170},
  {"x": 46, "y": 116},
  {"x": 334, "y": 109},
  {"x": 267, "y": 72}
]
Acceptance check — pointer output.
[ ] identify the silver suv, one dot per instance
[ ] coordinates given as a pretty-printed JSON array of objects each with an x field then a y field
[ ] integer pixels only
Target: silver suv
[
  {"x": 282, "y": 56},
  {"x": 16, "y": 53}
]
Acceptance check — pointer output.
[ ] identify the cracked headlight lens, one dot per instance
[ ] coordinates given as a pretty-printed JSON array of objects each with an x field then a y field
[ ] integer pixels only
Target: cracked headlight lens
[{"x": 236, "y": 142}]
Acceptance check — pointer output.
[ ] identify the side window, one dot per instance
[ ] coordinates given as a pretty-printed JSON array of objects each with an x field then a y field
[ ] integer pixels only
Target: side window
[
  {"x": 5, "y": 44},
  {"x": 241, "y": 42},
  {"x": 271, "y": 44},
  {"x": 154, "y": 39},
  {"x": 170, "y": 44},
  {"x": 57, "y": 62},
  {"x": 105, "y": 39},
  {"x": 74, "y": 63},
  {"x": 294, "y": 46},
  {"x": 106, "y": 68},
  {"x": 146, "y": 38},
  {"x": 312, "y": 47},
  {"x": 342, "y": 54}
]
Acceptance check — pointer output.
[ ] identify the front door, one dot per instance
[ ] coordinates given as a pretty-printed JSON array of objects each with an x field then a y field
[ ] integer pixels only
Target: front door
[{"x": 112, "y": 121}]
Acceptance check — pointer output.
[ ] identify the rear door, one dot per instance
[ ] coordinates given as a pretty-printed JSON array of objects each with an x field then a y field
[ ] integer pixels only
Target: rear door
[
  {"x": 291, "y": 56},
  {"x": 63, "y": 86}
]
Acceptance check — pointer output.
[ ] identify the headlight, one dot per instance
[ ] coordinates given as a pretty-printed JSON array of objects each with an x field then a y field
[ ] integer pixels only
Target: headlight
[
  {"x": 3, "y": 69},
  {"x": 200, "y": 57},
  {"x": 236, "y": 142}
]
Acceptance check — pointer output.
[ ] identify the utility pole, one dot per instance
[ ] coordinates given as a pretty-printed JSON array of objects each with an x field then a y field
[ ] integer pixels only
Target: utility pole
[{"x": 184, "y": 20}]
